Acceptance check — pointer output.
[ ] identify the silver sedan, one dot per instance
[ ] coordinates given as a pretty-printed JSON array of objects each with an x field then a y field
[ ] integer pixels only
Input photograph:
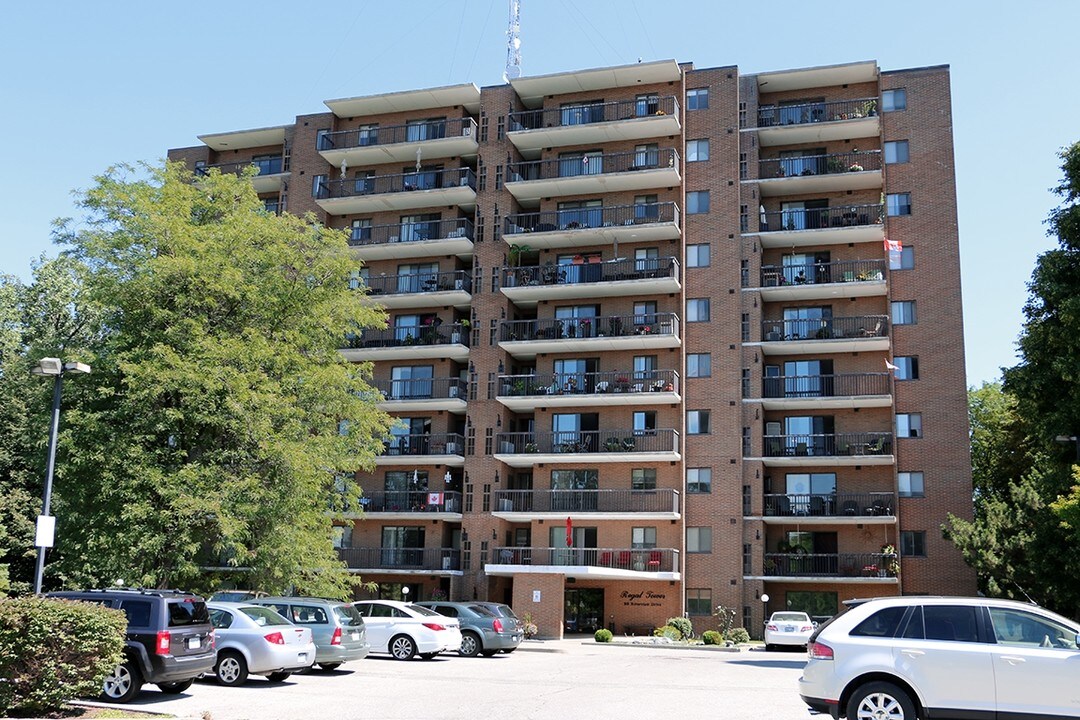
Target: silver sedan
[{"x": 252, "y": 639}]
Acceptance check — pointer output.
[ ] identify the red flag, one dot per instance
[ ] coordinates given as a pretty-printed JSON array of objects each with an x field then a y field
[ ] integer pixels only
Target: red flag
[
  {"x": 892, "y": 246},
  {"x": 569, "y": 533}
]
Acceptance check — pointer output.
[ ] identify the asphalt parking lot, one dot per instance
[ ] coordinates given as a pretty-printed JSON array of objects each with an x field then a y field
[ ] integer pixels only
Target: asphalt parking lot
[{"x": 562, "y": 680}]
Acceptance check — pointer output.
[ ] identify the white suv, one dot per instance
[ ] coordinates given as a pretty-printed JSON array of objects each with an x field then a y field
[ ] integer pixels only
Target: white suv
[{"x": 905, "y": 657}]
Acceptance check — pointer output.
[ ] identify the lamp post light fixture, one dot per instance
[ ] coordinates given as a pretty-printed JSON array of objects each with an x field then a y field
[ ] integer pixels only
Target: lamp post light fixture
[{"x": 46, "y": 524}]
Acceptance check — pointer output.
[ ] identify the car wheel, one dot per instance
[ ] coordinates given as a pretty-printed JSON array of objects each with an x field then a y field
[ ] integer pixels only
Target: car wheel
[
  {"x": 327, "y": 667},
  {"x": 279, "y": 676},
  {"x": 489, "y": 653},
  {"x": 428, "y": 656},
  {"x": 470, "y": 644},
  {"x": 880, "y": 701},
  {"x": 231, "y": 668},
  {"x": 175, "y": 688},
  {"x": 122, "y": 684},
  {"x": 402, "y": 647}
]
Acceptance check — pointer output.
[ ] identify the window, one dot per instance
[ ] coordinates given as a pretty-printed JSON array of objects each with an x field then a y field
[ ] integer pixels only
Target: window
[
  {"x": 646, "y": 208},
  {"x": 913, "y": 543},
  {"x": 697, "y": 255},
  {"x": 909, "y": 425},
  {"x": 697, "y": 422},
  {"x": 643, "y": 537},
  {"x": 884, "y": 623},
  {"x": 699, "y": 365},
  {"x": 697, "y": 202},
  {"x": 898, "y": 204},
  {"x": 903, "y": 312},
  {"x": 896, "y": 152},
  {"x": 697, "y": 99},
  {"x": 319, "y": 186},
  {"x": 342, "y": 536},
  {"x": 699, "y": 601},
  {"x": 1021, "y": 629},
  {"x": 699, "y": 539},
  {"x": 911, "y": 484},
  {"x": 903, "y": 260},
  {"x": 893, "y": 100},
  {"x": 697, "y": 310},
  {"x": 697, "y": 150},
  {"x": 698, "y": 480},
  {"x": 812, "y": 602},
  {"x": 644, "y": 422},
  {"x": 575, "y": 479},
  {"x": 643, "y": 479},
  {"x": 907, "y": 368}
]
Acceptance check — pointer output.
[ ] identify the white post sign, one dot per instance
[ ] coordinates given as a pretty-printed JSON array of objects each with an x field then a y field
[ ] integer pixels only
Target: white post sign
[
  {"x": 46, "y": 531},
  {"x": 536, "y": 596}
]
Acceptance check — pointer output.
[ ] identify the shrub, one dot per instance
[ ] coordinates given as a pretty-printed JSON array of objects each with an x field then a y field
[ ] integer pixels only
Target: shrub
[
  {"x": 683, "y": 625},
  {"x": 712, "y": 637},
  {"x": 603, "y": 635},
  {"x": 737, "y": 635},
  {"x": 668, "y": 631},
  {"x": 54, "y": 650}
]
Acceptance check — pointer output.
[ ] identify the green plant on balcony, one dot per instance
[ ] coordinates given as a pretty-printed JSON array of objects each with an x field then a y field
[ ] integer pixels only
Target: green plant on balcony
[
  {"x": 612, "y": 445},
  {"x": 835, "y": 165},
  {"x": 518, "y": 387},
  {"x": 531, "y": 447},
  {"x": 869, "y": 108},
  {"x": 628, "y": 444}
]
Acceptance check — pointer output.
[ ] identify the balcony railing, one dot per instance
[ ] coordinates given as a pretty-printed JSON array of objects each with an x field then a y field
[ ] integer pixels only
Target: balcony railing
[
  {"x": 831, "y": 565},
  {"x": 598, "y": 383},
  {"x": 406, "y": 336},
  {"x": 421, "y": 389},
  {"x": 830, "y": 164},
  {"x": 815, "y": 386},
  {"x": 587, "y": 218},
  {"x": 859, "y": 326},
  {"x": 412, "y": 232},
  {"x": 265, "y": 166},
  {"x": 392, "y": 134},
  {"x": 602, "y": 326},
  {"x": 593, "y": 272},
  {"x": 778, "y": 115},
  {"x": 420, "y": 283},
  {"x": 638, "y": 559},
  {"x": 588, "y": 441},
  {"x": 593, "y": 113},
  {"x": 584, "y": 165},
  {"x": 401, "y": 182},
  {"x": 661, "y": 500},
  {"x": 427, "y": 444},
  {"x": 410, "y": 501},
  {"x": 821, "y": 218},
  {"x": 409, "y": 558},
  {"x": 841, "y": 271},
  {"x": 872, "y": 504},
  {"x": 827, "y": 445}
]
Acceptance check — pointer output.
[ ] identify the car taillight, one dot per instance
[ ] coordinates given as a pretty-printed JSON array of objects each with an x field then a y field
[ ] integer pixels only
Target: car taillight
[
  {"x": 806, "y": 628},
  {"x": 164, "y": 643},
  {"x": 820, "y": 651},
  {"x": 434, "y": 626},
  {"x": 496, "y": 625},
  {"x": 212, "y": 638},
  {"x": 770, "y": 626},
  {"x": 336, "y": 640},
  {"x": 276, "y": 638}
]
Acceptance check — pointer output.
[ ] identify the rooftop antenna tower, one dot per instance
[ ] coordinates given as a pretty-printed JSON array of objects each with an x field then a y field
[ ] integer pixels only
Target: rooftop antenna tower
[{"x": 513, "y": 43}]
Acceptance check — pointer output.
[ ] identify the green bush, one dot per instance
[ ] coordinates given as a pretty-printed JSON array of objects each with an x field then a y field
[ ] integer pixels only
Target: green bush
[
  {"x": 54, "y": 650},
  {"x": 669, "y": 631},
  {"x": 712, "y": 637},
  {"x": 737, "y": 635},
  {"x": 603, "y": 635},
  {"x": 683, "y": 625}
]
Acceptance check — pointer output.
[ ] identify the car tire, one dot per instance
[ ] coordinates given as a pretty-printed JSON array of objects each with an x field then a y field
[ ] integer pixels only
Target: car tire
[
  {"x": 470, "y": 644},
  {"x": 175, "y": 688},
  {"x": 231, "y": 668},
  {"x": 122, "y": 684},
  {"x": 279, "y": 676},
  {"x": 489, "y": 653},
  {"x": 327, "y": 667},
  {"x": 881, "y": 700},
  {"x": 402, "y": 647}
]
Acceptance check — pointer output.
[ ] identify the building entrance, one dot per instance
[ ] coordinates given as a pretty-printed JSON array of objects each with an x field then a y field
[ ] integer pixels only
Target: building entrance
[{"x": 584, "y": 611}]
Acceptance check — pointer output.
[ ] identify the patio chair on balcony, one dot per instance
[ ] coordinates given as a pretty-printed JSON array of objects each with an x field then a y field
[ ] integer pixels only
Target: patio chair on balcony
[
  {"x": 817, "y": 505},
  {"x": 624, "y": 560},
  {"x": 605, "y": 559},
  {"x": 850, "y": 507},
  {"x": 654, "y": 561}
]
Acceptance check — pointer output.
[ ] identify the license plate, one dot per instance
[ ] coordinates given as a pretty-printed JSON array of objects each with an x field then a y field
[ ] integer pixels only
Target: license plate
[
  {"x": 789, "y": 628},
  {"x": 513, "y": 638},
  {"x": 194, "y": 643},
  {"x": 301, "y": 657},
  {"x": 355, "y": 635}
]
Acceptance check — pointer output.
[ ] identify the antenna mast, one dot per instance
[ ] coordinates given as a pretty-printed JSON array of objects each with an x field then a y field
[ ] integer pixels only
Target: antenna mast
[{"x": 513, "y": 43}]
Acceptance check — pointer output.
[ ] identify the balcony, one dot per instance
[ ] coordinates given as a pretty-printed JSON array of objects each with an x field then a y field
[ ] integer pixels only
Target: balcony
[
  {"x": 817, "y": 122},
  {"x": 407, "y": 342},
  {"x": 403, "y": 191},
  {"x": 427, "y": 449},
  {"x": 826, "y": 450},
  {"x": 525, "y": 449},
  {"x": 872, "y": 508},
  {"x": 402, "y": 560},
  {"x": 820, "y": 392},
  {"x": 422, "y": 395},
  {"x": 526, "y": 338},
  {"x": 802, "y": 336},
  {"x": 822, "y": 281},
  {"x": 592, "y": 174},
  {"x": 401, "y": 241},
  {"x": 378, "y": 145},
  {"x": 626, "y": 563},
  {"x": 419, "y": 290},
  {"x": 594, "y": 123},
  {"x": 269, "y": 176},
  {"x": 840, "y": 225},
  {"x": 845, "y": 567},
  {"x": 527, "y": 286},
  {"x": 411, "y": 505},
  {"x": 528, "y": 505},
  {"x": 837, "y": 172},
  {"x": 524, "y": 393},
  {"x": 554, "y": 229}
]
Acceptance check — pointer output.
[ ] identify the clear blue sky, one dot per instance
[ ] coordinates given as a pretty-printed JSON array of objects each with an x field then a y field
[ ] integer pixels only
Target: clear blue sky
[{"x": 86, "y": 85}]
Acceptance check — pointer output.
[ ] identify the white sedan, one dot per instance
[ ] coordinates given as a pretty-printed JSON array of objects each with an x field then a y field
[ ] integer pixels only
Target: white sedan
[
  {"x": 405, "y": 630},
  {"x": 252, "y": 639},
  {"x": 788, "y": 628}
]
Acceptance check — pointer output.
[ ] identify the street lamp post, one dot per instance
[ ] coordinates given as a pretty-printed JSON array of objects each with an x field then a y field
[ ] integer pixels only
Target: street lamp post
[{"x": 46, "y": 524}]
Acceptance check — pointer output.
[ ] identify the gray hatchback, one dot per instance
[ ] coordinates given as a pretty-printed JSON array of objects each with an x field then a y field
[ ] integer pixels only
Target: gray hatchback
[
  {"x": 337, "y": 628},
  {"x": 482, "y": 631}
]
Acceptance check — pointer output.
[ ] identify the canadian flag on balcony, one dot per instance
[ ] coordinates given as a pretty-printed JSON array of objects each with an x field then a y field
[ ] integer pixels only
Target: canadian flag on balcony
[{"x": 893, "y": 249}]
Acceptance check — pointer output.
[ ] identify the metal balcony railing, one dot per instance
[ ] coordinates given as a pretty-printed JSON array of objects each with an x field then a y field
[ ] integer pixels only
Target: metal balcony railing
[
  {"x": 584, "y": 114},
  {"x": 592, "y": 272},
  {"x": 820, "y": 218},
  {"x": 600, "y": 326},
  {"x": 412, "y": 232},
  {"x": 660, "y": 500},
  {"x": 594, "y": 383},
  {"x": 587, "y": 218},
  {"x": 421, "y": 389},
  {"x": 588, "y": 441},
  {"x": 434, "y": 179},
  {"x": 637, "y": 559},
  {"x": 411, "y": 558},
  {"x": 410, "y": 501},
  {"x": 427, "y": 444},
  {"x": 839, "y": 505},
  {"x": 821, "y": 386},
  {"x": 411, "y": 283},
  {"x": 828, "y": 445},
  {"x": 265, "y": 166},
  {"x": 407, "y": 336},
  {"x": 392, "y": 134},
  {"x": 831, "y": 565},
  {"x": 858, "y": 326},
  {"x": 809, "y": 165},
  {"x": 841, "y": 271},
  {"x": 585, "y": 165},
  {"x": 812, "y": 112}
]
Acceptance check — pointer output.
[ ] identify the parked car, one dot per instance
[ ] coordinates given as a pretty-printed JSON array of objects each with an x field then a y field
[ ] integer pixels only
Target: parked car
[
  {"x": 235, "y": 595},
  {"x": 788, "y": 628},
  {"x": 256, "y": 639},
  {"x": 482, "y": 632},
  {"x": 907, "y": 657},
  {"x": 506, "y": 614},
  {"x": 339, "y": 632},
  {"x": 170, "y": 640},
  {"x": 405, "y": 630}
]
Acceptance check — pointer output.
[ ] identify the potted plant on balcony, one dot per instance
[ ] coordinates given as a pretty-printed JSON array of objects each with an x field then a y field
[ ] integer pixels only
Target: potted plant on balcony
[
  {"x": 531, "y": 447},
  {"x": 461, "y": 326},
  {"x": 622, "y": 383},
  {"x": 612, "y": 445}
]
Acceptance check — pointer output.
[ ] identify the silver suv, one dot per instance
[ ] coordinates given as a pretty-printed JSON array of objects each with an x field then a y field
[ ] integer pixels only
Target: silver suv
[
  {"x": 905, "y": 657},
  {"x": 336, "y": 627}
]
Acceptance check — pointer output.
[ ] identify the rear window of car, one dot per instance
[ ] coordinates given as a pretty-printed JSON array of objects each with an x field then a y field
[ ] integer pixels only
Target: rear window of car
[
  {"x": 883, "y": 623},
  {"x": 308, "y": 615},
  {"x": 263, "y": 616},
  {"x": 348, "y": 615},
  {"x": 481, "y": 610},
  {"x": 790, "y": 617},
  {"x": 423, "y": 610},
  {"x": 186, "y": 611},
  {"x": 501, "y": 611},
  {"x": 137, "y": 611}
]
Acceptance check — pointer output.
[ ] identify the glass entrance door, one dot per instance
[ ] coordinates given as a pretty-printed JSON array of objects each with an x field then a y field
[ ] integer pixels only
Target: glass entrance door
[{"x": 584, "y": 610}]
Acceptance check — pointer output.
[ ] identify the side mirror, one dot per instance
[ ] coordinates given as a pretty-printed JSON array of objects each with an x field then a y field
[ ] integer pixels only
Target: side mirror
[{"x": 1076, "y": 640}]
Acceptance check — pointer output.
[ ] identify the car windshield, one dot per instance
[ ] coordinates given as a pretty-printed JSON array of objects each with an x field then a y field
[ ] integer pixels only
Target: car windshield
[
  {"x": 263, "y": 616},
  {"x": 790, "y": 617},
  {"x": 421, "y": 610},
  {"x": 348, "y": 615},
  {"x": 187, "y": 611}
]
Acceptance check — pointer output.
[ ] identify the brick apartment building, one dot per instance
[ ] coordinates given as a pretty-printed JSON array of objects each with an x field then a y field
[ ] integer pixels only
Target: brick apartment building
[{"x": 640, "y": 322}]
